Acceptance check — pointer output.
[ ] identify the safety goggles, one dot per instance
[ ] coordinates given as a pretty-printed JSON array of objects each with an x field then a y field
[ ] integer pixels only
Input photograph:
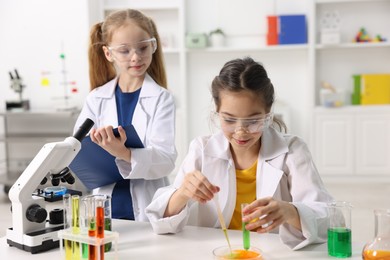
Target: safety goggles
[
  {"x": 251, "y": 125},
  {"x": 125, "y": 52}
]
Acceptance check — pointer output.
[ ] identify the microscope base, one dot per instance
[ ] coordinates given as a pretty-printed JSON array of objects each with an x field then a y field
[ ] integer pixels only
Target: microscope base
[{"x": 38, "y": 241}]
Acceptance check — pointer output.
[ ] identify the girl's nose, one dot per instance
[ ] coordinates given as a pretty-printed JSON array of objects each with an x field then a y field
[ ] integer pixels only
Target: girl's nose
[
  {"x": 240, "y": 129},
  {"x": 135, "y": 57}
]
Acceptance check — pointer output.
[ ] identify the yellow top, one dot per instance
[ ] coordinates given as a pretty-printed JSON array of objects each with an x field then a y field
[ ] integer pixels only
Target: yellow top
[{"x": 246, "y": 193}]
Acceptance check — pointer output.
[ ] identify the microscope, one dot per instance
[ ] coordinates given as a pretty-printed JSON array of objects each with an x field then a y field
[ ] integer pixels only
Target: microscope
[
  {"x": 31, "y": 231},
  {"x": 17, "y": 86}
]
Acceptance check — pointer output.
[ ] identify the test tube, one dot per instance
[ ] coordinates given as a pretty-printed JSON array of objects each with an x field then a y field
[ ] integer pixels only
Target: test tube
[
  {"x": 90, "y": 225},
  {"x": 100, "y": 224},
  {"x": 67, "y": 224},
  {"x": 245, "y": 233},
  {"x": 107, "y": 219},
  {"x": 76, "y": 253}
]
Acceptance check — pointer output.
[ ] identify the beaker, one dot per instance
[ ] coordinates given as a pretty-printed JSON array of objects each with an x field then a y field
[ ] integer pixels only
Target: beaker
[
  {"x": 379, "y": 247},
  {"x": 339, "y": 229}
]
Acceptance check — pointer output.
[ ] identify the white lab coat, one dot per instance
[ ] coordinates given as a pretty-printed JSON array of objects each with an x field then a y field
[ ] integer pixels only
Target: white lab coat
[
  {"x": 285, "y": 171},
  {"x": 154, "y": 121}
]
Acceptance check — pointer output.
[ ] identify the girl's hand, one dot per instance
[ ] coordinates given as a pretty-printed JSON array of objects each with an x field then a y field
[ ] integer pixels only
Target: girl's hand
[
  {"x": 271, "y": 212},
  {"x": 106, "y": 139},
  {"x": 197, "y": 187}
]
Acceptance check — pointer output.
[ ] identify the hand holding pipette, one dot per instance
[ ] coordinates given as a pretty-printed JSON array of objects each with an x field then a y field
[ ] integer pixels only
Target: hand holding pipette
[{"x": 221, "y": 219}]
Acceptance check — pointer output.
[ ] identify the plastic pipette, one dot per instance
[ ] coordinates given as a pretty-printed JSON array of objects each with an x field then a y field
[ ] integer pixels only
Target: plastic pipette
[
  {"x": 222, "y": 220},
  {"x": 245, "y": 233}
]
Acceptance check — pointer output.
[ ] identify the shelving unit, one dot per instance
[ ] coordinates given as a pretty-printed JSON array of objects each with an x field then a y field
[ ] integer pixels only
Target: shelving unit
[
  {"x": 351, "y": 140},
  {"x": 296, "y": 71}
]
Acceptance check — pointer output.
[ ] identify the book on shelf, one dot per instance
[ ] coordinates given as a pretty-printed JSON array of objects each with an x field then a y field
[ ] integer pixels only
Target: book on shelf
[
  {"x": 292, "y": 29},
  {"x": 375, "y": 89}
]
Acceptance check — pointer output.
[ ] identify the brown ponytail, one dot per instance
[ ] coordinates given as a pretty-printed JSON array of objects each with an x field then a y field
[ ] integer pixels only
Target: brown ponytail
[
  {"x": 100, "y": 69},
  {"x": 156, "y": 69}
]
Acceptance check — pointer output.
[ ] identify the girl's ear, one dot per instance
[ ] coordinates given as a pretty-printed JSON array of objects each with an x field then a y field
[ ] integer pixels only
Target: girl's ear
[{"x": 107, "y": 53}]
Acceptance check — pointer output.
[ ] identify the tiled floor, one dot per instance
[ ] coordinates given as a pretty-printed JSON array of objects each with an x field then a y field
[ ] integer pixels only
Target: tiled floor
[{"x": 364, "y": 197}]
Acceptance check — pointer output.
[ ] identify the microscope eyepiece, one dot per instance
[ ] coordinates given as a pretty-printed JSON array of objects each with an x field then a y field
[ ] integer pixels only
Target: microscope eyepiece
[
  {"x": 55, "y": 181},
  {"x": 65, "y": 176},
  {"x": 68, "y": 178},
  {"x": 84, "y": 129}
]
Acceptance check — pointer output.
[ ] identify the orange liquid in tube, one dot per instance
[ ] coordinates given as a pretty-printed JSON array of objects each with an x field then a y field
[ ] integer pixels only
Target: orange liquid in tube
[{"x": 100, "y": 228}]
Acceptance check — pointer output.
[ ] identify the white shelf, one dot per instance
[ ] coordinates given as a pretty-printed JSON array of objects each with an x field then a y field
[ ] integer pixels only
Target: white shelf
[
  {"x": 345, "y": 1},
  {"x": 354, "y": 45},
  {"x": 287, "y": 47},
  {"x": 141, "y": 4},
  {"x": 357, "y": 108}
]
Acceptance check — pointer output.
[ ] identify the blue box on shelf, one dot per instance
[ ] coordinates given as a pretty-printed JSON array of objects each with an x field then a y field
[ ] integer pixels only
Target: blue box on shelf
[{"x": 292, "y": 29}]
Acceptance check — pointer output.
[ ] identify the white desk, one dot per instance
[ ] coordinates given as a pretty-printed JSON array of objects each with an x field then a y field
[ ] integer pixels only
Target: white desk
[{"x": 137, "y": 241}]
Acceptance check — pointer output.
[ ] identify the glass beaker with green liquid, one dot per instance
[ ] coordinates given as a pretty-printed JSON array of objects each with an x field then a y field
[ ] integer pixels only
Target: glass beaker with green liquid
[{"x": 339, "y": 229}]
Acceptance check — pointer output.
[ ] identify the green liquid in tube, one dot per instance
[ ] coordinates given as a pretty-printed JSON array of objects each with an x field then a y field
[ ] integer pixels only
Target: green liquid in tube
[
  {"x": 245, "y": 233},
  {"x": 246, "y": 237},
  {"x": 107, "y": 226}
]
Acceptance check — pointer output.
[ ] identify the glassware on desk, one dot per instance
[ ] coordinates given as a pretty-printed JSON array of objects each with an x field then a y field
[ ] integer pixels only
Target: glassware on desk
[
  {"x": 339, "y": 230},
  {"x": 91, "y": 204},
  {"x": 379, "y": 247},
  {"x": 237, "y": 252}
]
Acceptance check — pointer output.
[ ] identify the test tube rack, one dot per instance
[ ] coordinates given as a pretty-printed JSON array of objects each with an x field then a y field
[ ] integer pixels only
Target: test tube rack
[{"x": 83, "y": 238}]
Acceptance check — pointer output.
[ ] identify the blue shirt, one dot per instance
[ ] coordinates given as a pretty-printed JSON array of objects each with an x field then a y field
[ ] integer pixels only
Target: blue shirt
[{"x": 122, "y": 206}]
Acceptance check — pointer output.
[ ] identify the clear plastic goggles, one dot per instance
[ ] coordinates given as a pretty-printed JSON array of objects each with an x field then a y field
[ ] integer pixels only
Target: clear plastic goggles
[
  {"x": 124, "y": 52},
  {"x": 251, "y": 125}
]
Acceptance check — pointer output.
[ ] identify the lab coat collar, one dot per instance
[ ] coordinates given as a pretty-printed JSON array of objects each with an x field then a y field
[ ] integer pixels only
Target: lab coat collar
[
  {"x": 269, "y": 173},
  {"x": 149, "y": 88},
  {"x": 273, "y": 144},
  {"x": 218, "y": 146}
]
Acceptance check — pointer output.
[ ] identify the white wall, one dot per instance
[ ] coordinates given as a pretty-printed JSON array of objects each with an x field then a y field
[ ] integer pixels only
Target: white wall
[{"x": 33, "y": 35}]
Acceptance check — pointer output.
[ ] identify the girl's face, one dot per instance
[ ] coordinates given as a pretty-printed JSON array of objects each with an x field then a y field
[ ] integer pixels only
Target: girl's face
[
  {"x": 131, "y": 48},
  {"x": 241, "y": 116}
]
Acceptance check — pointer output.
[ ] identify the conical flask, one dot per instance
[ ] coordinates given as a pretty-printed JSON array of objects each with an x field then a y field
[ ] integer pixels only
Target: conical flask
[{"x": 379, "y": 247}]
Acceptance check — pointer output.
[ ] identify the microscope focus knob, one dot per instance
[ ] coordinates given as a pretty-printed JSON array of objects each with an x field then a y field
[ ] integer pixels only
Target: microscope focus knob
[{"x": 36, "y": 213}]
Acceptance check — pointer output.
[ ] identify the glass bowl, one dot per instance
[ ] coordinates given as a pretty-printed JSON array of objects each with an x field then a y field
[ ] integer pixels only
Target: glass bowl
[{"x": 238, "y": 252}]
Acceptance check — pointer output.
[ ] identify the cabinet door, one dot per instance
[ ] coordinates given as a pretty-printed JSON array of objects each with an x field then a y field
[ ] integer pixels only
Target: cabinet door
[
  {"x": 373, "y": 144},
  {"x": 334, "y": 146}
]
